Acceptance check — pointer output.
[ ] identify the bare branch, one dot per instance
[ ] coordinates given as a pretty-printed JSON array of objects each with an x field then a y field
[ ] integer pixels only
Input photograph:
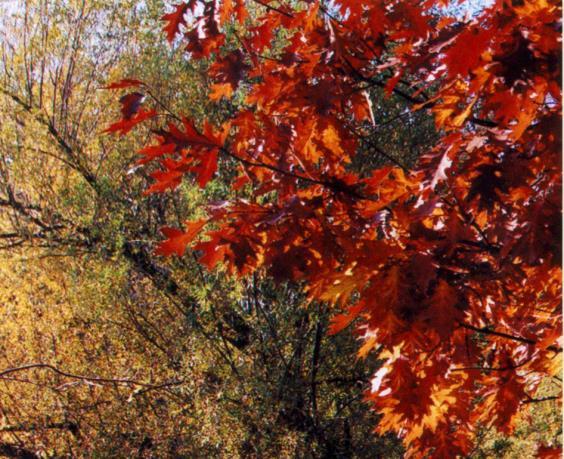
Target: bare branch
[{"x": 88, "y": 378}]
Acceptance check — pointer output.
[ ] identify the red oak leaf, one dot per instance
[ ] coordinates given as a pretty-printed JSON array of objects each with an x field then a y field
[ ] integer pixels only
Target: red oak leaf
[{"x": 178, "y": 240}]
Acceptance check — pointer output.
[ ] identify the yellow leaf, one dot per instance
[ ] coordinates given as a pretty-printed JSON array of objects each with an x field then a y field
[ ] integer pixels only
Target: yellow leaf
[{"x": 220, "y": 90}]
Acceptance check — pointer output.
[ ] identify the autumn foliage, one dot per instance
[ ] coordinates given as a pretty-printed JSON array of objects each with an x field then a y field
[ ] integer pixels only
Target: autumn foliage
[{"x": 449, "y": 269}]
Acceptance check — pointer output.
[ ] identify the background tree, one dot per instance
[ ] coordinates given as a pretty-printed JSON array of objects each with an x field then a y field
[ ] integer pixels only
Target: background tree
[{"x": 107, "y": 350}]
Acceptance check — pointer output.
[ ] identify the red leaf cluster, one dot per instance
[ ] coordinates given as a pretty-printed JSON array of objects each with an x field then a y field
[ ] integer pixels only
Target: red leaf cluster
[
  {"x": 452, "y": 268},
  {"x": 194, "y": 152}
]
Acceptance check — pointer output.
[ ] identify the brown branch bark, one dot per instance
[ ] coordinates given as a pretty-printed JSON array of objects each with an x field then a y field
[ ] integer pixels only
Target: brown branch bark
[
  {"x": 487, "y": 331},
  {"x": 87, "y": 378}
]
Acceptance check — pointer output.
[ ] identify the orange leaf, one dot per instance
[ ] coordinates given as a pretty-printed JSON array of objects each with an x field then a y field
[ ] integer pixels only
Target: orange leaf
[
  {"x": 125, "y": 125},
  {"x": 549, "y": 452},
  {"x": 220, "y": 90},
  {"x": 125, "y": 83},
  {"x": 175, "y": 20},
  {"x": 207, "y": 167},
  {"x": 178, "y": 240},
  {"x": 342, "y": 321},
  {"x": 154, "y": 151},
  {"x": 165, "y": 180}
]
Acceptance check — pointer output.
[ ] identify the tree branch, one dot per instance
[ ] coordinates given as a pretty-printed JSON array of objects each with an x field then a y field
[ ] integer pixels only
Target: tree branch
[
  {"x": 487, "y": 331},
  {"x": 543, "y": 399},
  {"x": 87, "y": 378}
]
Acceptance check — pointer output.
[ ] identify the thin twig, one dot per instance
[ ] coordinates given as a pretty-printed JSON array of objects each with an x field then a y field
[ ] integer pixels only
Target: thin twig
[{"x": 87, "y": 378}]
